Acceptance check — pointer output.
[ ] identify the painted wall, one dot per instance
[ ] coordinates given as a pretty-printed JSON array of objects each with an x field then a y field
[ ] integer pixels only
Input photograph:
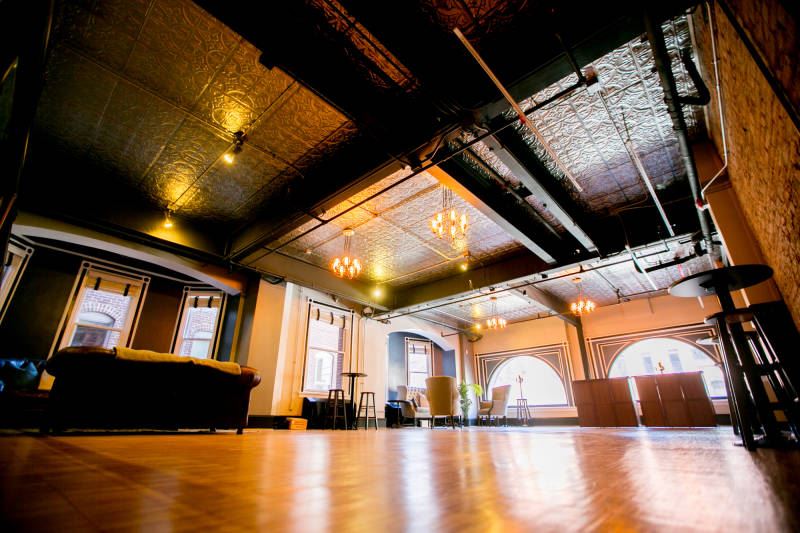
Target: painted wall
[
  {"x": 32, "y": 321},
  {"x": 444, "y": 361},
  {"x": 628, "y": 317},
  {"x": 273, "y": 341}
]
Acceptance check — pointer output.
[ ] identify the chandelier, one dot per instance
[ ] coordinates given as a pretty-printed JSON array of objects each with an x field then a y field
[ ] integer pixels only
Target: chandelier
[
  {"x": 449, "y": 223},
  {"x": 494, "y": 321},
  {"x": 583, "y": 305},
  {"x": 347, "y": 265}
]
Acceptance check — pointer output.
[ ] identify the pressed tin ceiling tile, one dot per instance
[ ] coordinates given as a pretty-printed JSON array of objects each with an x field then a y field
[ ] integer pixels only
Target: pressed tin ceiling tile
[
  {"x": 393, "y": 235},
  {"x": 134, "y": 128},
  {"x": 105, "y": 30},
  {"x": 188, "y": 154},
  {"x": 73, "y": 98},
  {"x": 179, "y": 50},
  {"x": 583, "y": 134}
]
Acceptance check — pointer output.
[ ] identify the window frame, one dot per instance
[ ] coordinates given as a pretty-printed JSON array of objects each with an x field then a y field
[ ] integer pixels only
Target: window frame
[
  {"x": 7, "y": 291},
  {"x": 408, "y": 343},
  {"x": 347, "y": 316},
  {"x": 190, "y": 293},
  {"x": 69, "y": 322}
]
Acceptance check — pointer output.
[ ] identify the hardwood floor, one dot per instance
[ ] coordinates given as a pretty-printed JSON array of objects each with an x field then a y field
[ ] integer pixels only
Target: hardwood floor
[{"x": 504, "y": 479}]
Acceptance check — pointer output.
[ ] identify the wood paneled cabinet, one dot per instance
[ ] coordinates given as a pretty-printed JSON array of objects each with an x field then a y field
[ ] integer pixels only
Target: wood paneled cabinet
[
  {"x": 675, "y": 400},
  {"x": 604, "y": 403}
]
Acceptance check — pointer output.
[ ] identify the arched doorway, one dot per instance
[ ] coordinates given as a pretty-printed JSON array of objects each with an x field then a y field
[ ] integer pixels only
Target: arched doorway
[
  {"x": 541, "y": 383},
  {"x": 643, "y": 357}
]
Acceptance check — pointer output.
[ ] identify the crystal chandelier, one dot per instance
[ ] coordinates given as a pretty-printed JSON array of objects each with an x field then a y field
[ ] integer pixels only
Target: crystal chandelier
[
  {"x": 583, "y": 305},
  {"x": 449, "y": 223},
  {"x": 494, "y": 321},
  {"x": 347, "y": 265}
]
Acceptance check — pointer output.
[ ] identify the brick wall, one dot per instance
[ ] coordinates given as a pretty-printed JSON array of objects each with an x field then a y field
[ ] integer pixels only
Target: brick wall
[{"x": 763, "y": 143}]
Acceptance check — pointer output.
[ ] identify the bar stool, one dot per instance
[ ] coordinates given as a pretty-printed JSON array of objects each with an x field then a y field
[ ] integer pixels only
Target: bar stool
[
  {"x": 523, "y": 411},
  {"x": 768, "y": 365},
  {"x": 335, "y": 403},
  {"x": 364, "y": 404}
]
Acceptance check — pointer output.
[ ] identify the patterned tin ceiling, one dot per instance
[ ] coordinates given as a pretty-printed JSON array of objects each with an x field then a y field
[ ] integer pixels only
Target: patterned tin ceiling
[
  {"x": 393, "y": 236},
  {"x": 587, "y": 128},
  {"x": 153, "y": 91}
]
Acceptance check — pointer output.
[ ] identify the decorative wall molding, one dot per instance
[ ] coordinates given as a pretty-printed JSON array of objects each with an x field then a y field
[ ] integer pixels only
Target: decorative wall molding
[
  {"x": 605, "y": 349},
  {"x": 555, "y": 355}
]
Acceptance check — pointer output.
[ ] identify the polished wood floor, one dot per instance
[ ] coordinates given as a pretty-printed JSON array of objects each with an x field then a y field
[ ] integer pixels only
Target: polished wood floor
[{"x": 507, "y": 479}]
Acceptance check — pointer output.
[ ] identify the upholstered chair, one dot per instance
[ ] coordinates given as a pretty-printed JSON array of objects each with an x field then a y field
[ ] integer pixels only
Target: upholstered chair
[
  {"x": 414, "y": 403},
  {"x": 442, "y": 397},
  {"x": 497, "y": 406}
]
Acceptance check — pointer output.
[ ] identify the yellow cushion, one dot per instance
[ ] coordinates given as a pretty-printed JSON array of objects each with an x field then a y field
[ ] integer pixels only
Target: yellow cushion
[{"x": 129, "y": 354}]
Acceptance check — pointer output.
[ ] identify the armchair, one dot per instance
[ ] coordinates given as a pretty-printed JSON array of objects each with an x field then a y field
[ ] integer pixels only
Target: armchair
[
  {"x": 496, "y": 407},
  {"x": 413, "y": 403},
  {"x": 443, "y": 398}
]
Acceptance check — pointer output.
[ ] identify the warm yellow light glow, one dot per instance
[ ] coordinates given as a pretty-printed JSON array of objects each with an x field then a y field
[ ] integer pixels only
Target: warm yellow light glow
[
  {"x": 377, "y": 292},
  {"x": 463, "y": 266},
  {"x": 449, "y": 223},
  {"x": 228, "y": 157},
  {"x": 167, "y": 220}
]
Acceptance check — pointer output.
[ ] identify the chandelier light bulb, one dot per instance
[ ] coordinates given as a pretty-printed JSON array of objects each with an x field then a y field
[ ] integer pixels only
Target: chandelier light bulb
[
  {"x": 346, "y": 266},
  {"x": 495, "y": 321},
  {"x": 449, "y": 222},
  {"x": 583, "y": 305}
]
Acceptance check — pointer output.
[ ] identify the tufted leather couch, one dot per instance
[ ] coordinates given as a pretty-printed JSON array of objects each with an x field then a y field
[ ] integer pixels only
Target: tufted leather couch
[{"x": 93, "y": 389}]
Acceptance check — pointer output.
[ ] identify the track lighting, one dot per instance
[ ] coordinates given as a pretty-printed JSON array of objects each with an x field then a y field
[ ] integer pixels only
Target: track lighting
[{"x": 238, "y": 140}]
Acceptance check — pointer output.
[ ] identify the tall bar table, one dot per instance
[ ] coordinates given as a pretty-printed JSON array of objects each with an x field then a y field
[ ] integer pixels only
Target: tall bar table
[
  {"x": 353, "y": 376},
  {"x": 749, "y": 397}
]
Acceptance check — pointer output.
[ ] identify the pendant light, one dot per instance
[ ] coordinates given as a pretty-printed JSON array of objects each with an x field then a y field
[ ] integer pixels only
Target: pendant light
[
  {"x": 583, "y": 305},
  {"x": 449, "y": 223},
  {"x": 347, "y": 265}
]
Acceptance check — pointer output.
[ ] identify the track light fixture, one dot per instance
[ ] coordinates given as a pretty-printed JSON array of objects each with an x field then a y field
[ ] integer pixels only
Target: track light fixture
[{"x": 238, "y": 140}]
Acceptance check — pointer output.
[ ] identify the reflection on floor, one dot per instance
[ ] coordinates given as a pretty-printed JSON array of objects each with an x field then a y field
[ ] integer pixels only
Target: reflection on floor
[{"x": 500, "y": 479}]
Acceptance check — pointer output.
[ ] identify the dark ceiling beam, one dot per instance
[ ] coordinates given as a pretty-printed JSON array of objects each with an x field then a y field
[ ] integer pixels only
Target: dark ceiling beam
[
  {"x": 546, "y": 187},
  {"x": 344, "y": 175},
  {"x": 550, "y": 301},
  {"x": 518, "y": 266},
  {"x": 494, "y": 204},
  {"x": 590, "y": 30},
  {"x": 296, "y": 271},
  {"x": 470, "y": 179},
  {"x": 534, "y": 184}
]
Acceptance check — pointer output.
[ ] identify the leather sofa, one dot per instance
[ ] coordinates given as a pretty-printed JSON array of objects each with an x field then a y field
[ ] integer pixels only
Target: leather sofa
[{"x": 94, "y": 389}]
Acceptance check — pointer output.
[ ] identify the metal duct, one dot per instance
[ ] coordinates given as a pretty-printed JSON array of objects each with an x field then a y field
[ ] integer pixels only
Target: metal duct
[{"x": 672, "y": 99}]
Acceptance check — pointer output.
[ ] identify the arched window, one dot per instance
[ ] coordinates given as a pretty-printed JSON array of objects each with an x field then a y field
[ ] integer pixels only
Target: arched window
[
  {"x": 541, "y": 384},
  {"x": 643, "y": 357}
]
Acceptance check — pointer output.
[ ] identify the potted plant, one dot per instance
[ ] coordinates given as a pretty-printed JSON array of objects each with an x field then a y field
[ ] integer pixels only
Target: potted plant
[{"x": 465, "y": 402}]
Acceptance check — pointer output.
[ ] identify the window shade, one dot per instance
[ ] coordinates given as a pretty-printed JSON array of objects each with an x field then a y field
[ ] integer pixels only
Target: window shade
[{"x": 97, "y": 281}]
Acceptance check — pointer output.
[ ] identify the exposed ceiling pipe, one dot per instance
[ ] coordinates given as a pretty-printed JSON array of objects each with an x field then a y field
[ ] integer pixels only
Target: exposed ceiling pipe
[
  {"x": 637, "y": 163},
  {"x": 517, "y": 109},
  {"x": 544, "y": 278},
  {"x": 718, "y": 91},
  {"x": 641, "y": 268},
  {"x": 629, "y": 148},
  {"x": 671, "y": 97}
]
